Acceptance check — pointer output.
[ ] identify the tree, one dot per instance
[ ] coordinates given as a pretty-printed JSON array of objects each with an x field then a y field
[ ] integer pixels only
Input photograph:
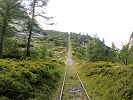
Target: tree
[
  {"x": 9, "y": 10},
  {"x": 112, "y": 53},
  {"x": 113, "y": 46},
  {"x": 103, "y": 41},
  {"x": 95, "y": 50},
  {"x": 32, "y": 7},
  {"x": 123, "y": 57},
  {"x": 130, "y": 56}
]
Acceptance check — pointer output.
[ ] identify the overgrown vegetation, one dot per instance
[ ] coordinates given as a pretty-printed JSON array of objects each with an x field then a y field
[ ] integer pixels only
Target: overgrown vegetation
[
  {"x": 29, "y": 79},
  {"x": 108, "y": 81},
  {"x": 37, "y": 77},
  {"x": 57, "y": 38},
  {"x": 107, "y": 72}
]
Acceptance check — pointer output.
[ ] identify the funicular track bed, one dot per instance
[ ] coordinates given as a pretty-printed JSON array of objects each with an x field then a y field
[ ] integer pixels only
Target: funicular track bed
[{"x": 72, "y": 86}]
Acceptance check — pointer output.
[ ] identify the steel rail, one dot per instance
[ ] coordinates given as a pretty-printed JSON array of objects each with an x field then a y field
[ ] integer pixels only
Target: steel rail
[
  {"x": 88, "y": 97},
  {"x": 63, "y": 83}
]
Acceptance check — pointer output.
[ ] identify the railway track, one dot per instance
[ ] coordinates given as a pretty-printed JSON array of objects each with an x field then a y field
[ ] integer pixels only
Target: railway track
[{"x": 72, "y": 86}]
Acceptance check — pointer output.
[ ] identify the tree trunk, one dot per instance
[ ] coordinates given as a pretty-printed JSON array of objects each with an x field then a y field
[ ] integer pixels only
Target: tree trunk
[
  {"x": 28, "y": 44},
  {"x": 125, "y": 61},
  {"x": 31, "y": 24}
]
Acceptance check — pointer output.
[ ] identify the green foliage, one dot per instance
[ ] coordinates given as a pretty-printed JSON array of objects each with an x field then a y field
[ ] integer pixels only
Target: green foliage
[
  {"x": 27, "y": 79},
  {"x": 40, "y": 50},
  {"x": 126, "y": 55},
  {"x": 12, "y": 49},
  {"x": 108, "y": 81},
  {"x": 16, "y": 47},
  {"x": 92, "y": 49},
  {"x": 11, "y": 14},
  {"x": 130, "y": 56},
  {"x": 57, "y": 38},
  {"x": 79, "y": 44},
  {"x": 123, "y": 56},
  {"x": 97, "y": 51}
]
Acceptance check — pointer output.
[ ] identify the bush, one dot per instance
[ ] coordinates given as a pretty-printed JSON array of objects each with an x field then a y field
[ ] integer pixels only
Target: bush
[
  {"x": 109, "y": 81},
  {"x": 104, "y": 64},
  {"x": 26, "y": 79},
  {"x": 12, "y": 49}
]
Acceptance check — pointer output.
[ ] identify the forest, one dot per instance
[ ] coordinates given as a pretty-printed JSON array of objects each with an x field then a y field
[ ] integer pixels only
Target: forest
[{"x": 32, "y": 60}]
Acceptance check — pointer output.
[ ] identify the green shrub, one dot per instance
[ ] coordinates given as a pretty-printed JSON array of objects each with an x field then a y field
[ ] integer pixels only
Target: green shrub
[
  {"x": 103, "y": 64},
  {"x": 107, "y": 81},
  {"x": 27, "y": 79}
]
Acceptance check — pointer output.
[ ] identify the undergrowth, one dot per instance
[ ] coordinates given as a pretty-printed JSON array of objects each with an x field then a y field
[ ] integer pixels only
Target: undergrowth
[
  {"x": 28, "y": 79},
  {"x": 108, "y": 81}
]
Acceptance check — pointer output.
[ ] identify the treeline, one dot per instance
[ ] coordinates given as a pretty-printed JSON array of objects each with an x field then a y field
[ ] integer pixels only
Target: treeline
[{"x": 93, "y": 49}]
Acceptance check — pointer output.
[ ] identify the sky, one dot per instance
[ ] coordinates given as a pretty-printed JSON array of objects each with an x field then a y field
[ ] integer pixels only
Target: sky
[{"x": 110, "y": 19}]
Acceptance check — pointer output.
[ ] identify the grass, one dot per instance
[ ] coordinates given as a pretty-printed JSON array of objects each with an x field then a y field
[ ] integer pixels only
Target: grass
[{"x": 107, "y": 81}]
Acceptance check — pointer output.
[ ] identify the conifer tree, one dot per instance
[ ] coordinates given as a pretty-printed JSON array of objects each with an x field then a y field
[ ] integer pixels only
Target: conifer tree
[{"x": 9, "y": 10}]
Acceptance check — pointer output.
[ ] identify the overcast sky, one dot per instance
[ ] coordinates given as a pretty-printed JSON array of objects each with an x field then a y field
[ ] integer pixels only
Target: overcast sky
[{"x": 110, "y": 19}]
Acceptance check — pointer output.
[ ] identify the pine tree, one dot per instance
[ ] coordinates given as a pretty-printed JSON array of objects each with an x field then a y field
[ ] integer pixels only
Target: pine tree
[
  {"x": 123, "y": 57},
  {"x": 9, "y": 10},
  {"x": 31, "y": 8}
]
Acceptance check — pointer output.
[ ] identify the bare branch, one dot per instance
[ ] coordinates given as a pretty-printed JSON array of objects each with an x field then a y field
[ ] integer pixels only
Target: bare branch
[
  {"x": 51, "y": 23},
  {"x": 48, "y": 18}
]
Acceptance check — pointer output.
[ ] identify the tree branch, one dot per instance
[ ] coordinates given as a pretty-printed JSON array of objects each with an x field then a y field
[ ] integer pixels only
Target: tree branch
[{"x": 48, "y": 18}]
